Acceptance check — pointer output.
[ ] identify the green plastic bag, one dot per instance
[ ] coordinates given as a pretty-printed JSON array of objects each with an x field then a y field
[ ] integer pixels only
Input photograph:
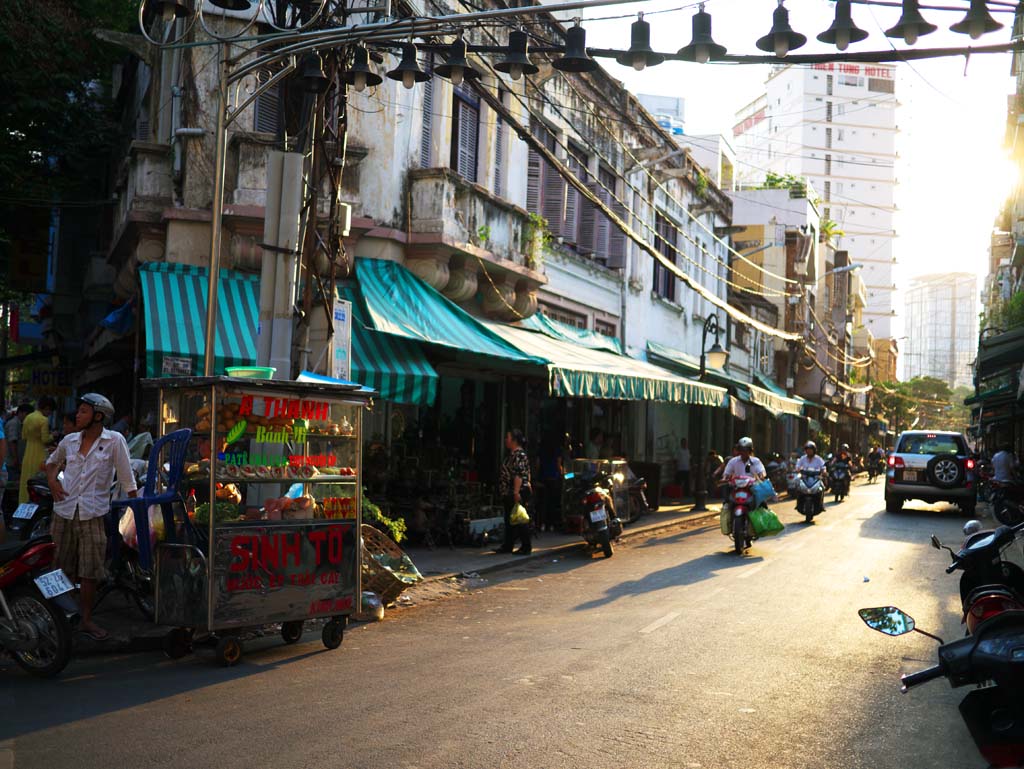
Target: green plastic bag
[{"x": 765, "y": 522}]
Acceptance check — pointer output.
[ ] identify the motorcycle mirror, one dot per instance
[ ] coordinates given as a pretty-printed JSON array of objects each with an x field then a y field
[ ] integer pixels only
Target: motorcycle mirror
[
  {"x": 888, "y": 620},
  {"x": 935, "y": 542}
]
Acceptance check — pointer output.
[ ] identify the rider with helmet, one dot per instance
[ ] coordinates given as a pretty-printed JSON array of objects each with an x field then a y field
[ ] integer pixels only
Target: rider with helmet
[
  {"x": 810, "y": 460},
  {"x": 744, "y": 463},
  {"x": 89, "y": 457}
]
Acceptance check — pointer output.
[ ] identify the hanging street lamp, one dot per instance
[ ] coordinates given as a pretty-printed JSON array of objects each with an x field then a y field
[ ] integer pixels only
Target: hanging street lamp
[
  {"x": 640, "y": 53},
  {"x": 911, "y": 25},
  {"x": 782, "y": 38},
  {"x": 408, "y": 71},
  {"x": 702, "y": 47},
  {"x": 517, "y": 61},
  {"x": 843, "y": 31}
]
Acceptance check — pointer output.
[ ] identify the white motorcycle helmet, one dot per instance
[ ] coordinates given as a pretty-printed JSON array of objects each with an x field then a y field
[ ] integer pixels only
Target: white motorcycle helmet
[
  {"x": 745, "y": 443},
  {"x": 100, "y": 405}
]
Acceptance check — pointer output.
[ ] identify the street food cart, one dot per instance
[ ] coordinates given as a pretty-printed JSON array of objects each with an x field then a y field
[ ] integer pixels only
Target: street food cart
[
  {"x": 582, "y": 474},
  {"x": 274, "y": 538}
]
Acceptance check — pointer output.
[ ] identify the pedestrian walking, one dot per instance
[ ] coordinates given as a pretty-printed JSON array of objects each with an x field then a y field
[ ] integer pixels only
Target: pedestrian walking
[
  {"x": 90, "y": 458},
  {"x": 514, "y": 488},
  {"x": 12, "y": 430},
  {"x": 35, "y": 434}
]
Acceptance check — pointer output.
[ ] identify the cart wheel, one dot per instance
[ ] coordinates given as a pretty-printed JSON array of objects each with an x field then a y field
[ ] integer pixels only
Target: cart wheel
[
  {"x": 178, "y": 643},
  {"x": 228, "y": 651},
  {"x": 333, "y": 634},
  {"x": 291, "y": 632}
]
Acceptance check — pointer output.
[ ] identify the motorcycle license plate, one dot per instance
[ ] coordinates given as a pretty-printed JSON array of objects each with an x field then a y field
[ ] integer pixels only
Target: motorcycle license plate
[
  {"x": 25, "y": 510},
  {"x": 597, "y": 515},
  {"x": 54, "y": 583},
  {"x": 910, "y": 475}
]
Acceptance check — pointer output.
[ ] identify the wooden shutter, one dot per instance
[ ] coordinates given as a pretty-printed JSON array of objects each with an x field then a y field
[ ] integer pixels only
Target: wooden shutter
[
  {"x": 267, "y": 111},
  {"x": 534, "y": 182},
  {"x": 589, "y": 216},
  {"x": 617, "y": 242},
  {"x": 553, "y": 200},
  {"x": 427, "y": 134},
  {"x": 499, "y": 157},
  {"x": 570, "y": 224},
  {"x": 465, "y": 136}
]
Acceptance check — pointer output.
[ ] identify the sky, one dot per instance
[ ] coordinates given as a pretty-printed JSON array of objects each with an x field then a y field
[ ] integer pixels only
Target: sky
[{"x": 953, "y": 171}]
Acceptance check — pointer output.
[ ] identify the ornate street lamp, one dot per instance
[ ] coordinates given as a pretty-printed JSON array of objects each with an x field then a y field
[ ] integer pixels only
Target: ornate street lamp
[{"x": 716, "y": 356}]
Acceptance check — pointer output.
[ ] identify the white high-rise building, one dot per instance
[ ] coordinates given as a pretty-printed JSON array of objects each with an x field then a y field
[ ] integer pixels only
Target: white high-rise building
[
  {"x": 942, "y": 327},
  {"x": 834, "y": 123}
]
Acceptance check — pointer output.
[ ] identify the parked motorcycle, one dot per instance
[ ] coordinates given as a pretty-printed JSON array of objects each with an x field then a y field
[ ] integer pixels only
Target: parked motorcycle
[
  {"x": 839, "y": 479},
  {"x": 638, "y": 504},
  {"x": 593, "y": 513},
  {"x": 988, "y": 659},
  {"x": 35, "y": 604},
  {"x": 741, "y": 502},
  {"x": 989, "y": 583},
  {"x": 1007, "y": 501},
  {"x": 776, "y": 470},
  {"x": 810, "y": 490},
  {"x": 31, "y": 520},
  {"x": 984, "y": 474}
]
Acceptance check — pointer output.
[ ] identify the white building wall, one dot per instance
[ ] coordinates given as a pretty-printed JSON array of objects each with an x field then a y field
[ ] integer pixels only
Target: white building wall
[
  {"x": 942, "y": 327},
  {"x": 827, "y": 123}
]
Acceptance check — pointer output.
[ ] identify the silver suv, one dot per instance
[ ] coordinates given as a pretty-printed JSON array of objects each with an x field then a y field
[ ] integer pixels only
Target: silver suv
[{"x": 933, "y": 466}]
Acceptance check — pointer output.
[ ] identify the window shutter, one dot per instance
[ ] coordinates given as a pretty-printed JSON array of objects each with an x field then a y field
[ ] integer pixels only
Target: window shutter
[
  {"x": 553, "y": 200},
  {"x": 604, "y": 227},
  {"x": 142, "y": 124},
  {"x": 427, "y": 135},
  {"x": 534, "y": 182},
  {"x": 499, "y": 157},
  {"x": 266, "y": 113},
  {"x": 617, "y": 243},
  {"x": 469, "y": 127},
  {"x": 588, "y": 217}
]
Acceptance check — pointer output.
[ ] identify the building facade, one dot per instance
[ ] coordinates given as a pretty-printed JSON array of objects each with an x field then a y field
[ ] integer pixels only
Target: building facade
[
  {"x": 836, "y": 124},
  {"x": 941, "y": 327}
]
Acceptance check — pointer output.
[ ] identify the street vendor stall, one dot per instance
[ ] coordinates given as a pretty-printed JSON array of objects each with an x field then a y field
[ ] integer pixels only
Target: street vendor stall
[{"x": 275, "y": 537}]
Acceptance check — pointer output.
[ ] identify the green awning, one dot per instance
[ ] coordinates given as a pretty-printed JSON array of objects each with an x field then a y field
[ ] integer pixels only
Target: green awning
[
  {"x": 774, "y": 398},
  {"x": 1003, "y": 391},
  {"x": 581, "y": 336},
  {"x": 677, "y": 360},
  {"x": 1001, "y": 351},
  {"x": 576, "y": 371},
  {"x": 175, "y": 319},
  {"x": 399, "y": 303},
  {"x": 393, "y": 366}
]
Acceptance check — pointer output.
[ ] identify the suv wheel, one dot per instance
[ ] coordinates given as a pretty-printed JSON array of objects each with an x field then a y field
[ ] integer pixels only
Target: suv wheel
[
  {"x": 946, "y": 472},
  {"x": 893, "y": 504}
]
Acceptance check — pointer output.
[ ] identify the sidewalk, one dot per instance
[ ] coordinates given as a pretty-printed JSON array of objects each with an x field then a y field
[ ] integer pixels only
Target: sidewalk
[{"x": 443, "y": 562}]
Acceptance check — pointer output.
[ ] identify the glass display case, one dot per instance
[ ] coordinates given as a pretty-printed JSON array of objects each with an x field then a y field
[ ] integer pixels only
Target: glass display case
[{"x": 274, "y": 470}]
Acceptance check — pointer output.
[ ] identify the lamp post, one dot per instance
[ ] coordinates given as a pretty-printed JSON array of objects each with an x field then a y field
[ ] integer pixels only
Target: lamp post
[
  {"x": 716, "y": 357},
  {"x": 826, "y": 389}
]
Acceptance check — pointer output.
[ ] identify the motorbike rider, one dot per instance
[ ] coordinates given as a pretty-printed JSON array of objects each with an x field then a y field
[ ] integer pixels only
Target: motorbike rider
[
  {"x": 811, "y": 461},
  {"x": 744, "y": 463}
]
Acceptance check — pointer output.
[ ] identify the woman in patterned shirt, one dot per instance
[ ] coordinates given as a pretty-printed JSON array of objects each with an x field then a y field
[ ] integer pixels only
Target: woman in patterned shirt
[{"x": 514, "y": 488}]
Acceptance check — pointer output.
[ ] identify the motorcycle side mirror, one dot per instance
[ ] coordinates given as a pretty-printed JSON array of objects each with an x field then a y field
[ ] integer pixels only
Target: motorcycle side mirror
[
  {"x": 888, "y": 620},
  {"x": 935, "y": 542}
]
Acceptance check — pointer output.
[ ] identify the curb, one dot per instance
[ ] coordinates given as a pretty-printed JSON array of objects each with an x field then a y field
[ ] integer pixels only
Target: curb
[{"x": 651, "y": 528}]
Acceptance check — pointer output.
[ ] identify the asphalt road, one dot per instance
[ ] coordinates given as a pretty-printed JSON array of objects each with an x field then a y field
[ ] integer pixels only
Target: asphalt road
[{"x": 674, "y": 653}]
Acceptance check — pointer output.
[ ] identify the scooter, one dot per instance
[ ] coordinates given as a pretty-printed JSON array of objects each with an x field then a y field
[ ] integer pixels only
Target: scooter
[
  {"x": 776, "y": 471},
  {"x": 810, "y": 491},
  {"x": 990, "y": 659},
  {"x": 876, "y": 467},
  {"x": 1007, "y": 501},
  {"x": 36, "y": 602},
  {"x": 839, "y": 479},
  {"x": 31, "y": 520},
  {"x": 989, "y": 583},
  {"x": 600, "y": 524},
  {"x": 741, "y": 502}
]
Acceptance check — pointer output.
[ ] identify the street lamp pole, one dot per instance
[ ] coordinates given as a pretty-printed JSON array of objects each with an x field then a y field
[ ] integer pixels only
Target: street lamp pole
[
  {"x": 217, "y": 214},
  {"x": 717, "y": 357}
]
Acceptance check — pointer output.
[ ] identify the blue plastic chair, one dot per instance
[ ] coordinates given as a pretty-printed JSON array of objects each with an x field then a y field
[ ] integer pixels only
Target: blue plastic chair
[{"x": 176, "y": 444}]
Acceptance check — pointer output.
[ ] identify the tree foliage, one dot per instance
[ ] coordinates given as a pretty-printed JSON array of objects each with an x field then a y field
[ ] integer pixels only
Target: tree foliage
[
  {"x": 1009, "y": 314},
  {"x": 923, "y": 403}
]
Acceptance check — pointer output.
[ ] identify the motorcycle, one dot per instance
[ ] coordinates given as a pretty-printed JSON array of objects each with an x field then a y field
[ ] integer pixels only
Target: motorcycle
[
  {"x": 638, "y": 504},
  {"x": 988, "y": 659},
  {"x": 792, "y": 478},
  {"x": 985, "y": 474},
  {"x": 594, "y": 514},
  {"x": 1007, "y": 501},
  {"x": 776, "y": 470},
  {"x": 35, "y": 604},
  {"x": 31, "y": 520},
  {"x": 741, "y": 502},
  {"x": 876, "y": 467},
  {"x": 810, "y": 491},
  {"x": 989, "y": 583},
  {"x": 839, "y": 479}
]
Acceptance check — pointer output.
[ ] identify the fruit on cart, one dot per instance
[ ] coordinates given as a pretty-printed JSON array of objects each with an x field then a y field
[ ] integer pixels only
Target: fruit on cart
[{"x": 228, "y": 493}]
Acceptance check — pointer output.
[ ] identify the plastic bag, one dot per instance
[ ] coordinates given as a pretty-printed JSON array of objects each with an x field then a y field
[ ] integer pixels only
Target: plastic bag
[
  {"x": 763, "y": 492},
  {"x": 725, "y": 520},
  {"x": 129, "y": 534},
  {"x": 519, "y": 516},
  {"x": 765, "y": 522}
]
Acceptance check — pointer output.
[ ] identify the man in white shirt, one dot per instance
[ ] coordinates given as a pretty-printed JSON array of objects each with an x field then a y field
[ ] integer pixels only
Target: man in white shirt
[
  {"x": 1005, "y": 465},
  {"x": 90, "y": 457},
  {"x": 744, "y": 463}
]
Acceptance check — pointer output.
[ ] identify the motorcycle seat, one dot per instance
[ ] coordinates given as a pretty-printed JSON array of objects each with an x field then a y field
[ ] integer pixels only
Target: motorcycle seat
[{"x": 11, "y": 550}]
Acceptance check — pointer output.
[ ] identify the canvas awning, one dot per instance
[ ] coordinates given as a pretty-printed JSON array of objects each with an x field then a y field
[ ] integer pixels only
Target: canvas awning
[
  {"x": 581, "y": 336},
  {"x": 399, "y": 303},
  {"x": 774, "y": 398},
  {"x": 393, "y": 366},
  {"x": 996, "y": 353},
  {"x": 175, "y": 319},
  {"x": 577, "y": 371},
  {"x": 677, "y": 360}
]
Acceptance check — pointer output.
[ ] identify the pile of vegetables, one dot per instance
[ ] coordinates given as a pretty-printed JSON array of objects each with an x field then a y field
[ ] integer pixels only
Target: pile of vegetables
[
  {"x": 373, "y": 515},
  {"x": 223, "y": 512}
]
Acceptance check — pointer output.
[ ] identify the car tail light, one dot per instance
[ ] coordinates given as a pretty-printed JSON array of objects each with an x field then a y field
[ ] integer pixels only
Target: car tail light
[
  {"x": 970, "y": 464},
  {"x": 892, "y": 461},
  {"x": 896, "y": 462}
]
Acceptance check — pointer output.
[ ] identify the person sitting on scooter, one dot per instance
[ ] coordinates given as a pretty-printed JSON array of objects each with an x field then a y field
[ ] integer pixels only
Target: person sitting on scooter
[
  {"x": 810, "y": 460},
  {"x": 744, "y": 463}
]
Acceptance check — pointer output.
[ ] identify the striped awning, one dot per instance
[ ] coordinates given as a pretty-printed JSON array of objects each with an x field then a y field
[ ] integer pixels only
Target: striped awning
[
  {"x": 579, "y": 372},
  {"x": 581, "y": 336},
  {"x": 677, "y": 360},
  {"x": 392, "y": 365},
  {"x": 774, "y": 398},
  {"x": 175, "y": 319},
  {"x": 399, "y": 303}
]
